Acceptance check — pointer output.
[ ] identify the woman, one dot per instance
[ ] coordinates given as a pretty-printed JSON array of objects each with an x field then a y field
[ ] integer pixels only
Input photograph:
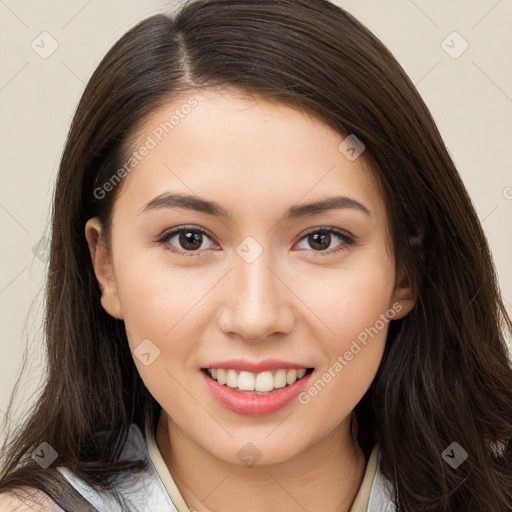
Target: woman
[{"x": 268, "y": 287}]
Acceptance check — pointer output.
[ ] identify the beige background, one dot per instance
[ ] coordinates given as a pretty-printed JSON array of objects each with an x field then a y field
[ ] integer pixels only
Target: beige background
[{"x": 470, "y": 96}]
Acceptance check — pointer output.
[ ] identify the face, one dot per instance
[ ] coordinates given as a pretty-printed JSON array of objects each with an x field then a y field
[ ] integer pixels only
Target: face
[{"x": 258, "y": 283}]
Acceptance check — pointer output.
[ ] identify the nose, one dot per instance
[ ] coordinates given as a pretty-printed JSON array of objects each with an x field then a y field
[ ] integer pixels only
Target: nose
[{"x": 257, "y": 300}]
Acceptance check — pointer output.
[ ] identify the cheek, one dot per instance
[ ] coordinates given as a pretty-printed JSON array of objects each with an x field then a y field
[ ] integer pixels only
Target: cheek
[
  {"x": 162, "y": 310},
  {"x": 158, "y": 300},
  {"x": 355, "y": 309},
  {"x": 347, "y": 301}
]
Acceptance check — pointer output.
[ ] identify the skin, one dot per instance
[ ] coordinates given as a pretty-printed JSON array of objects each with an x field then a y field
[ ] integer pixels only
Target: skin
[{"x": 256, "y": 158}]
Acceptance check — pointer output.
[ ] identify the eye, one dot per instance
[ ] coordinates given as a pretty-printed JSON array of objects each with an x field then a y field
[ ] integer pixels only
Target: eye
[
  {"x": 190, "y": 240},
  {"x": 320, "y": 240}
]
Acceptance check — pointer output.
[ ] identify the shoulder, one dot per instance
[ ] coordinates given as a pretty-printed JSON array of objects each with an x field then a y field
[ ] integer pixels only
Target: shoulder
[{"x": 27, "y": 499}]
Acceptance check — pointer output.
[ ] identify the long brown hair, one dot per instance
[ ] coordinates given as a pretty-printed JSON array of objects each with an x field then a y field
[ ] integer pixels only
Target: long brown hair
[{"x": 445, "y": 376}]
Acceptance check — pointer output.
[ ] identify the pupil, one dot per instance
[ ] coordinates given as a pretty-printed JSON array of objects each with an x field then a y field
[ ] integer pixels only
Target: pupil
[
  {"x": 189, "y": 238},
  {"x": 320, "y": 237}
]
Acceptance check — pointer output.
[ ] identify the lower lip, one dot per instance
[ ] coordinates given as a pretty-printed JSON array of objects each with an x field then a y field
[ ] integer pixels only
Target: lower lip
[{"x": 255, "y": 405}]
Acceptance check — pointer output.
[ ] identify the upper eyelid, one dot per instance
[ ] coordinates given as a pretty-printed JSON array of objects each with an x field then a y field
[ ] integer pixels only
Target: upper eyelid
[
  {"x": 338, "y": 231},
  {"x": 179, "y": 229}
]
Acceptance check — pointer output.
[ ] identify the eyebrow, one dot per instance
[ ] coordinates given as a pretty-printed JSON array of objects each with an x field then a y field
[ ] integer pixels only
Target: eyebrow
[{"x": 172, "y": 200}]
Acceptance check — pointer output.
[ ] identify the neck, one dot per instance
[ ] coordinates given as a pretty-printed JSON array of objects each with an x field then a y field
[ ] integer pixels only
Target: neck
[{"x": 326, "y": 476}]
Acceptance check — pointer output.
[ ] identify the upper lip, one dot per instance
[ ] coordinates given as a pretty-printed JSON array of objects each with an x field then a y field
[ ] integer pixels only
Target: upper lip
[{"x": 256, "y": 366}]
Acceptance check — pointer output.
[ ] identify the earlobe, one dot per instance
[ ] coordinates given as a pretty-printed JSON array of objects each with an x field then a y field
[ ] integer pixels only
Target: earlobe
[
  {"x": 103, "y": 270},
  {"x": 403, "y": 295}
]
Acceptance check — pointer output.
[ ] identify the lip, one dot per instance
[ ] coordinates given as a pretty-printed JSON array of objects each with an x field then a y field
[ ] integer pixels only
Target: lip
[
  {"x": 247, "y": 404},
  {"x": 256, "y": 367}
]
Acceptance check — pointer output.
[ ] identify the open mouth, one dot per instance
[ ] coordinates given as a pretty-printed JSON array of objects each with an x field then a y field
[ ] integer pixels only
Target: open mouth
[{"x": 251, "y": 383}]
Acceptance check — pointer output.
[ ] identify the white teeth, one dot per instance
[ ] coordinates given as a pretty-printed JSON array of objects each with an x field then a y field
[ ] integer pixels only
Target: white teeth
[
  {"x": 221, "y": 376},
  {"x": 291, "y": 376},
  {"x": 232, "y": 379},
  {"x": 301, "y": 373},
  {"x": 246, "y": 381},
  {"x": 280, "y": 379},
  {"x": 264, "y": 382},
  {"x": 259, "y": 383}
]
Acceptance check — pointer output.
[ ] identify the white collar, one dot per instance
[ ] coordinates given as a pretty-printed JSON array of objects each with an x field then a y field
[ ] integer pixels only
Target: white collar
[{"x": 145, "y": 491}]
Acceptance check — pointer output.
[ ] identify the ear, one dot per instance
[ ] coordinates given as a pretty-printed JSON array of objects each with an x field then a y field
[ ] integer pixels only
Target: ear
[
  {"x": 403, "y": 295},
  {"x": 103, "y": 269}
]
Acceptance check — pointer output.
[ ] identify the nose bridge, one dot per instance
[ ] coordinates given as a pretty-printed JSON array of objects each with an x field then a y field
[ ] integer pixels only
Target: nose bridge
[{"x": 257, "y": 303}]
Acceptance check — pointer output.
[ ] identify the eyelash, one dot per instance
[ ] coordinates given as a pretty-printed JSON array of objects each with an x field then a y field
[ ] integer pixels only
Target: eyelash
[{"x": 346, "y": 240}]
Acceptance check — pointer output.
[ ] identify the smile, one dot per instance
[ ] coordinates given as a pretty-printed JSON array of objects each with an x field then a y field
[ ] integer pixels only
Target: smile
[
  {"x": 255, "y": 394},
  {"x": 256, "y": 383}
]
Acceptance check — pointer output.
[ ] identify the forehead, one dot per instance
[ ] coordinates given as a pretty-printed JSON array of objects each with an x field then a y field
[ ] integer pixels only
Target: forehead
[{"x": 243, "y": 151}]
